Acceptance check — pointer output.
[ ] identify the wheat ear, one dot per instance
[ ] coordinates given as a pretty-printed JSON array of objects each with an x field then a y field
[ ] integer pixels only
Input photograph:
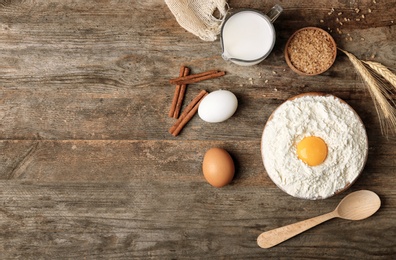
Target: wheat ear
[
  {"x": 377, "y": 90},
  {"x": 383, "y": 71}
]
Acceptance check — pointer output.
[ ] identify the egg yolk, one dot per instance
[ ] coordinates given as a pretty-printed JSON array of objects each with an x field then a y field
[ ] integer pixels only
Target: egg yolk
[{"x": 312, "y": 150}]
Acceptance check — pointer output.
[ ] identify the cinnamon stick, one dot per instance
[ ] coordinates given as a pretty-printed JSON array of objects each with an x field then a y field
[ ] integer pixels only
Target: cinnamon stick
[
  {"x": 194, "y": 78},
  {"x": 187, "y": 114},
  {"x": 176, "y": 94},
  {"x": 182, "y": 92},
  {"x": 186, "y": 119}
]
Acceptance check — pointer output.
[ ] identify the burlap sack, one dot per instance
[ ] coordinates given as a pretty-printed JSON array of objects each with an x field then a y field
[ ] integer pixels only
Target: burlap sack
[{"x": 197, "y": 16}]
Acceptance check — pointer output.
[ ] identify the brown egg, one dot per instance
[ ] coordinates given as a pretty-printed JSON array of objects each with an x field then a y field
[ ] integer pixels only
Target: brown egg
[{"x": 218, "y": 167}]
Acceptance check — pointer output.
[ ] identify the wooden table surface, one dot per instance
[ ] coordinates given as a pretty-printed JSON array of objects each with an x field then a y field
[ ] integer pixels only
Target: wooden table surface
[{"x": 88, "y": 169}]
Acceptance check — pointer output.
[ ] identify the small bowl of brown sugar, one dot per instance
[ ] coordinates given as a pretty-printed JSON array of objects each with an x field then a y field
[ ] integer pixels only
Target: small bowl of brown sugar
[{"x": 310, "y": 51}]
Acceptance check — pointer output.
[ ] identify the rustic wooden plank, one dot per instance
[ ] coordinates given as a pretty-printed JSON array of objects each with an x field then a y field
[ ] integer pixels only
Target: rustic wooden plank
[
  {"x": 117, "y": 220},
  {"x": 65, "y": 161},
  {"x": 141, "y": 114},
  {"x": 84, "y": 160}
]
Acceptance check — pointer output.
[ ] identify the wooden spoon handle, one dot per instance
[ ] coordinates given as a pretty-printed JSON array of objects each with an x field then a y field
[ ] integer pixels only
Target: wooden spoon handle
[{"x": 276, "y": 236}]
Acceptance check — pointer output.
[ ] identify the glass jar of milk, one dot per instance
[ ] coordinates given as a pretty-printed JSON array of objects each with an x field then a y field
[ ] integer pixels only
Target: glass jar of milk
[{"x": 248, "y": 36}]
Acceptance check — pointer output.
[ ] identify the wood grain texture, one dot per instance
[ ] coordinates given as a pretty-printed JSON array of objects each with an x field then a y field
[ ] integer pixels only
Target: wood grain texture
[{"x": 88, "y": 169}]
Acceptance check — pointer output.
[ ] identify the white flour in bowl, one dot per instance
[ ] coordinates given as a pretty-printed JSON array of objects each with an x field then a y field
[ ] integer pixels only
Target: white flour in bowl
[{"x": 326, "y": 117}]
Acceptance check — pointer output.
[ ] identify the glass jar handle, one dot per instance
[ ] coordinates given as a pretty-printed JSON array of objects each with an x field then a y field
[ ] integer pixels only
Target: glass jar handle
[{"x": 275, "y": 11}]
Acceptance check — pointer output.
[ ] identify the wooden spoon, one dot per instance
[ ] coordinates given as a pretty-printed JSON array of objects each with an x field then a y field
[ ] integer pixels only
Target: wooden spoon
[{"x": 356, "y": 206}]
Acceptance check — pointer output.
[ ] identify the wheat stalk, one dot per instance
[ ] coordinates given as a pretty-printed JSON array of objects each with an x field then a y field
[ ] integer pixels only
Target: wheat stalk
[{"x": 378, "y": 91}]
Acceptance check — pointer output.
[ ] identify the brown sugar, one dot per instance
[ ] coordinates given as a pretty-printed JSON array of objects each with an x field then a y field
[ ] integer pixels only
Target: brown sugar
[{"x": 311, "y": 50}]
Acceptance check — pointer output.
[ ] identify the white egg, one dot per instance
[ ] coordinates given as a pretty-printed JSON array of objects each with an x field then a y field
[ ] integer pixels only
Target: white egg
[{"x": 218, "y": 106}]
